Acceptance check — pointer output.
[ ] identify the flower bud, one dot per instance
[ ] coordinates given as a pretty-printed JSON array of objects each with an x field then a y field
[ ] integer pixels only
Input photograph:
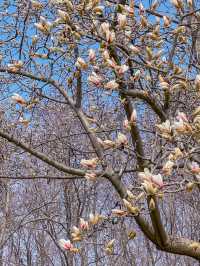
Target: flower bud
[{"x": 152, "y": 204}]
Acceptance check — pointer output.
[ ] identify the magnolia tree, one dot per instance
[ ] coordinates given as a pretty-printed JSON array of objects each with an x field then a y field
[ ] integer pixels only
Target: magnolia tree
[{"x": 105, "y": 96}]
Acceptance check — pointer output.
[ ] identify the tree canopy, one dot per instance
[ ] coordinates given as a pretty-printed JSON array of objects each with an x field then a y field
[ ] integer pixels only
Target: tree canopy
[{"x": 100, "y": 132}]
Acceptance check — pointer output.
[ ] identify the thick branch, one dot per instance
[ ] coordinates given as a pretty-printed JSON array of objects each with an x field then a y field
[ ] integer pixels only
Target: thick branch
[
  {"x": 160, "y": 234},
  {"x": 121, "y": 189},
  {"x": 42, "y": 156},
  {"x": 40, "y": 177},
  {"x": 151, "y": 102},
  {"x": 182, "y": 246},
  {"x": 135, "y": 134}
]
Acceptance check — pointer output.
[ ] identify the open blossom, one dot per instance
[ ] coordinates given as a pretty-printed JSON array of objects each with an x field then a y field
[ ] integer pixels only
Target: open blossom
[
  {"x": 18, "y": 99},
  {"x": 95, "y": 79},
  {"x": 157, "y": 180},
  {"x": 122, "y": 20},
  {"x": 165, "y": 129},
  {"x": 80, "y": 63},
  {"x": 84, "y": 224},
  {"x": 195, "y": 169},
  {"x": 91, "y": 163},
  {"x": 112, "y": 85},
  {"x": 65, "y": 244},
  {"x": 149, "y": 177},
  {"x": 146, "y": 175}
]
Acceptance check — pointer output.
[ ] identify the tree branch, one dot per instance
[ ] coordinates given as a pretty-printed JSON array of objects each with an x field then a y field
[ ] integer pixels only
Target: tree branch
[
  {"x": 151, "y": 102},
  {"x": 69, "y": 100},
  {"x": 42, "y": 156}
]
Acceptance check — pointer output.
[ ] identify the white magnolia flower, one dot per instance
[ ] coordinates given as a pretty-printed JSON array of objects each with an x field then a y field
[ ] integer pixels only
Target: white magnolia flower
[
  {"x": 122, "y": 20},
  {"x": 65, "y": 244},
  {"x": 165, "y": 129},
  {"x": 95, "y": 79},
  {"x": 18, "y": 99},
  {"x": 113, "y": 85},
  {"x": 91, "y": 163},
  {"x": 84, "y": 224},
  {"x": 168, "y": 167},
  {"x": 147, "y": 176},
  {"x": 157, "y": 180},
  {"x": 92, "y": 55},
  {"x": 95, "y": 218},
  {"x": 80, "y": 63}
]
